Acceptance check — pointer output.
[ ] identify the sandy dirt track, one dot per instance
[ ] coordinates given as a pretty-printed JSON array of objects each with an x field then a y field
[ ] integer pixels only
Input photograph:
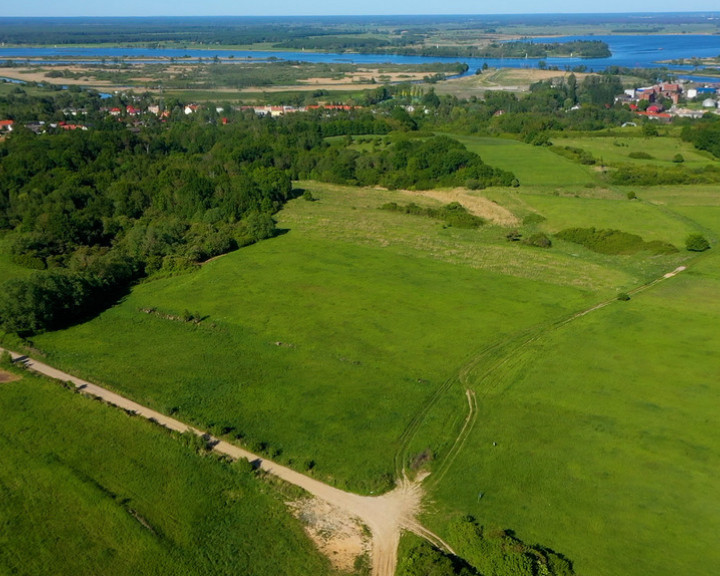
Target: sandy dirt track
[{"x": 386, "y": 515}]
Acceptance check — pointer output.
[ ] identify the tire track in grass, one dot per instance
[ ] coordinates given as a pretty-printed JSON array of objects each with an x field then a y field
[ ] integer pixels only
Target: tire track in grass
[{"x": 507, "y": 354}]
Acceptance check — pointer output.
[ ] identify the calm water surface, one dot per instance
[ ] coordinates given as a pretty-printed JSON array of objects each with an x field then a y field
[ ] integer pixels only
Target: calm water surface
[{"x": 633, "y": 51}]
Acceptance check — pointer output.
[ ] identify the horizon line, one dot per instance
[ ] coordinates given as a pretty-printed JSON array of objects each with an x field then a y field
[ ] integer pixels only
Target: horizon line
[{"x": 382, "y": 15}]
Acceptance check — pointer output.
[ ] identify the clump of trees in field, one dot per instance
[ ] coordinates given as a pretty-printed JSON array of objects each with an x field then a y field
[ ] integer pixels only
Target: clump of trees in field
[
  {"x": 418, "y": 164},
  {"x": 705, "y": 134}
]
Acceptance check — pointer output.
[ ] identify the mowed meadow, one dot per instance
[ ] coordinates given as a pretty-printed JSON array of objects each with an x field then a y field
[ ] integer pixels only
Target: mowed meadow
[{"x": 344, "y": 345}]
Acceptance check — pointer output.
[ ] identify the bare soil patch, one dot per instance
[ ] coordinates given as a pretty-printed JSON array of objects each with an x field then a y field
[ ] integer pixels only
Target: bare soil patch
[
  {"x": 337, "y": 535},
  {"x": 475, "y": 204},
  {"x": 8, "y": 377}
]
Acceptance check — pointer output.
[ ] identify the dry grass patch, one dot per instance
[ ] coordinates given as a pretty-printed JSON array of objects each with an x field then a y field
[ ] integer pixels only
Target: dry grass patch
[{"x": 475, "y": 204}]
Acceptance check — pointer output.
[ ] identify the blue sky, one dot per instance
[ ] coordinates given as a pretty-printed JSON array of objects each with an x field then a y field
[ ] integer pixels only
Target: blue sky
[{"x": 330, "y": 7}]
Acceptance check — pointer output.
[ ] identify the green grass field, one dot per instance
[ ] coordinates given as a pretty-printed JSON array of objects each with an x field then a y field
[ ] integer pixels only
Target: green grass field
[
  {"x": 87, "y": 489},
  {"x": 612, "y": 151},
  {"x": 319, "y": 348},
  {"x": 606, "y": 444},
  {"x": 533, "y": 165}
]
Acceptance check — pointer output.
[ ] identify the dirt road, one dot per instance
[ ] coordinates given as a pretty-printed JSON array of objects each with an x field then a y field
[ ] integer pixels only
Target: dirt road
[{"x": 386, "y": 515}]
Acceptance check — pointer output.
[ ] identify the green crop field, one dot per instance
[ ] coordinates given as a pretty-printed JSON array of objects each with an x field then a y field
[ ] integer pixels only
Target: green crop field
[
  {"x": 90, "y": 490},
  {"x": 320, "y": 346}
]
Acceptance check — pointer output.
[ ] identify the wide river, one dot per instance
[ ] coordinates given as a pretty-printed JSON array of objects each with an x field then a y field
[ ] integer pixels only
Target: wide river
[{"x": 632, "y": 51}]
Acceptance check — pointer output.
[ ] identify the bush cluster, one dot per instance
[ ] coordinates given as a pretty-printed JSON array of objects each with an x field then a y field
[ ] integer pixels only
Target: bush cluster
[
  {"x": 613, "y": 241},
  {"x": 575, "y": 154},
  {"x": 501, "y": 553},
  {"x": 454, "y": 214}
]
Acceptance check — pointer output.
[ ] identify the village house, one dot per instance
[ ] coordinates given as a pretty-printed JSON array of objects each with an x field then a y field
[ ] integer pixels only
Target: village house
[
  {"x": 654, "y": 93},
  {"x": 6, "y": 125}
]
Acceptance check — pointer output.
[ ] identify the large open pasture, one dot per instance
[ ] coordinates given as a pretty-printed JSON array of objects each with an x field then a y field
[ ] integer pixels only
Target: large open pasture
[
  {"x": 324, "y": 347},
  {"x": 87, "y": 490}
]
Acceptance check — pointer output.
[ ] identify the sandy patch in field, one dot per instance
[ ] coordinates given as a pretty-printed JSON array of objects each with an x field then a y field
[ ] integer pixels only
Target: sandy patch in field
[
  {"x": 337, "y": 535},
  {"x": 7, "y": 377},
  {"x": 35, "y": 75},
  {"x": 477, "y": 205}
]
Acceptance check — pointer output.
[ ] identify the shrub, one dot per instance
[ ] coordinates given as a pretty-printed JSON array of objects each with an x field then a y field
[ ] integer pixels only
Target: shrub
[
  {"x": 496, "y": 551},
  {"x": 631, "y": 195},
  {"x": 697, "y": 243},
  {"x": 533, "y": 218},
  {"x": 473, "y": 184},
  {"x": 539, "y": 240},
  {"x": 576, "y": 154},
  {"x": 678, "y": 159},
  {"x": 652, "y": 175},
  {"x": 623, "y": 296},
  {"x": 308, "y": 196},
  {"x": 640, "y": 155},
  {"x": 5, "y": 359}
]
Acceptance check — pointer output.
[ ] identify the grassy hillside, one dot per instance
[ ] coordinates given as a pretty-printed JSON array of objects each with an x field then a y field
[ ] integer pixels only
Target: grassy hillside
[
  {"x": 325, "y": 346},
  {"x": 90, "y": 490},
  {"x": 615, "y": 150}
]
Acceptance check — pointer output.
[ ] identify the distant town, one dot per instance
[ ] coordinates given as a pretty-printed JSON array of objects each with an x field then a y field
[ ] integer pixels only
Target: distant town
[{"x": 660, "y": 102}]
